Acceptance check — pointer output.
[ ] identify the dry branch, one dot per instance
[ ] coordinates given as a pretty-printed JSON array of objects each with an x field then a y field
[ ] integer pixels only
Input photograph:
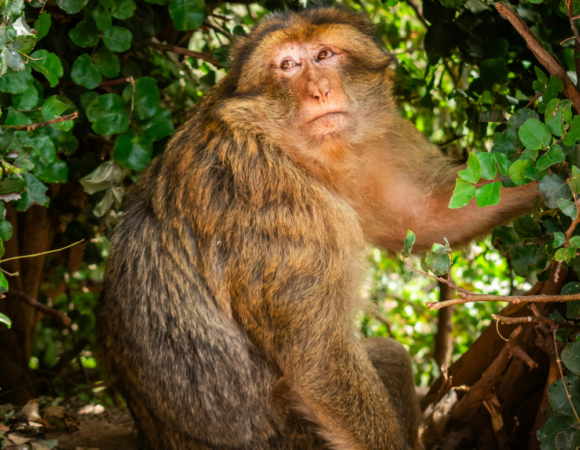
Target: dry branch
[
  {"x": 548, "y": 61},
  {"x": 34, "y": 126},
  {"x": 538, "y": 319}
]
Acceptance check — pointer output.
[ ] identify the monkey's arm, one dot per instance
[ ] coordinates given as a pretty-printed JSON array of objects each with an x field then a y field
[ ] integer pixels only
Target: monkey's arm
[{"x": 411, "y": 183}]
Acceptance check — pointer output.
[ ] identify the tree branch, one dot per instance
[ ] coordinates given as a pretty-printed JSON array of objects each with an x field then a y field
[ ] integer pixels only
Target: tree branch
[
  {"x": 537, "y": 319},
  {"x": 182, "y": 51},
  {"x": 47, "y": 311},
  {"x": 548, "y": 61},
  {"x": 34, "y": 126}
]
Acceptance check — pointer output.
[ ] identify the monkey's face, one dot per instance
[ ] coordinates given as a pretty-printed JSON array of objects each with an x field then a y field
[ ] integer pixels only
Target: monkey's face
[{"x": 314, "y": 84}]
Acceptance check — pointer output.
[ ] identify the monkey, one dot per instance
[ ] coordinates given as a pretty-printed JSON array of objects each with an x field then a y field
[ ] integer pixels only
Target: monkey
[{"x": 230, "y": 292}]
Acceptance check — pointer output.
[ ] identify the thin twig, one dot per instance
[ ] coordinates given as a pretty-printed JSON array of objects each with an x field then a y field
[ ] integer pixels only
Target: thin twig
[
  {"x": 47, "y": 311},
  {"x": 43, "y": 253},
  {"x": 132, "y": 96},
  {"x": 182, "y": 51},
  {"x": 537, "y": 319},
  {"x": 34, "y": 126},
  {"x": 571, "y": 17},
  {"x": 472, "y": 297},
  {"x": 534, "y": 98},
  {"x": 559, "y": 362},
  {"x": 547, "y": 60}
]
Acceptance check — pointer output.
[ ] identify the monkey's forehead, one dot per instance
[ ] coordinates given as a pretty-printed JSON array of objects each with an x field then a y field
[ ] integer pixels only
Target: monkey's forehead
[{"x": 343, "y": 30}]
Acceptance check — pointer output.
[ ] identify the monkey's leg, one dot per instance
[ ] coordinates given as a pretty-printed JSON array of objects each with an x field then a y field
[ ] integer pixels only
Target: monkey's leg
[{"x": 394, "y": 367}]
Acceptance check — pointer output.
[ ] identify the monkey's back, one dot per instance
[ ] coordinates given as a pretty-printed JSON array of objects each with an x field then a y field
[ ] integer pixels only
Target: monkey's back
[{"x": 219, "y": 227}]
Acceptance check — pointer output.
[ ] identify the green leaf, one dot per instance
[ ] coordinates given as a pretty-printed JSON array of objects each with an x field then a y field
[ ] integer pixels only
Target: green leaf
[
  {"x": 575, "y": 180},
  {"x": 556, "y": 424},
  {"x": 49, "y": 65},
  {"x": 13, "y": 82},
  {"x": 408, "y": 244},
  {"x": 556, "y": 392},
  {"x": 462, "y": 194},
  {"x": 26, "y": 100},
  {"x": 556, "y": 114},
  {"x": 101, "y": 178},
  {"x": 158, "y": 126},
  {"x": 559, "y": 239},
  {"x": 555, "y": 86},
  {"x": 572, "y": 307},
  {"x": 117, "y": 39},
  {"x": 53, "y": 108},
  {"x": 527, "y": 228},
  {"x": 102, "y": 18},
  {"x": 503, "y": 144},
  {"x": 574, "y": 133},
  {"x": 146, "y": 99},
  {"x": 553, "y": 187},
  {"x": 488, "y": 194},
  {"x": 107, "y": 62},
  {"x": 526, "y": 256},
  {"x": 13, "y": 59},
  {"x": 71, "y": 6},
  {"x": 568, "y": 207},
  {"x": 535, "y": 135},
  {"x": 17, "y": 118},
  {"x": 42, "y": 25},
  {"x": 502, "y": 163},
  {"x": 4, "y": 319},
  {"x": 487, "y": 163},
  {"x": 33, "y": 195},
  {"x": 517, "y": 169},
  {"x": 86, "y": 74},
  {"x": 43, "y": 146},
  {"x": 473, "y": 171},
  {"x": 438, "y": 260},
  {"x": 85, "y": 34},
  {"x": 12, "y": 184},
  {"x": 542, "y": 77},
  {"x": 123, "y": 9},
  {"x": 24, "y": 44},
  {"x": 555, "y": 155},
  {"x": 133, "y": 151},
  {"x": 187, "y": 14},
  {"x": 5, "y": 230},
  {"x": 564, "y": 254},
  {"x": 575, "y": 241},
  {"x": 107, "y": 115},
  {"x": 55, "y": 172}
]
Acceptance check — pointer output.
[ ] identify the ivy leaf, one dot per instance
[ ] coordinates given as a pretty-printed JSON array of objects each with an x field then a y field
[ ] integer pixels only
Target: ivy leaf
[
  {"x": 559, "y": 239},
  {"x": 42, "y": 25},
  {"x": 5, "y": 319},
  {"x": 85, "y": 34},
  {"x": 53, "y": 108},
  {"x": 72, "y": 6},
  {"x": 487, "y": 163},
  {"x": 157, "y": 126},
  {"x": 107, "y": 115},
  {"x": 502, "y": 163},
  {"x": 123, "y": 9},
  {"x": 553, "y": 187},
  {"x": 33, "y": 195},
  {"x": 503, "y": 144},
  {"x": 55, "y": 172},
  {"x": 187, "y": 14},
  {"x": 26, "y": 100},
  {"x": 133, "y": 151},
  {"x": 568, "y": 207},
  {"x": 107, "y": 62},
  {"x": 574, "y": 133},
  {"x": 488, "y": 194},
  {"x": 85, "y": 73},
  {"x": 517, "y": 169},
  {"x": 15, "y": 82},
  {"x": 146, "y": 97},
  {"x": 473, "y": 171},
  {"x": 101, "y": 178},
  {"x": 48, "y": 64},
  {"x": 12, "y": 184},
  {"x": 462, "y": 194},
  {"x": 117, "y": 39},
  {"x": 17, "y": 118},
  {"x": 535, "y": 135},
  {"x": 555, "y": 425},
  {"x": 556, "y": 111},
  {"x": 527, "y": 228},
  {"x": 575, "y": 180},
  {"x": 408, "y": 244},
  {"x": 555, "y": 155},
  {"x": 102, "y": 18}
]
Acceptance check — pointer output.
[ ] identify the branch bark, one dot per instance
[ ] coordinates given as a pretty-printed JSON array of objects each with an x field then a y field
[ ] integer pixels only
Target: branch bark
[
  {"x": 548, "y": 61},
  {"x": 47, "y": 311},
  {"x": 182, "y": 51}
]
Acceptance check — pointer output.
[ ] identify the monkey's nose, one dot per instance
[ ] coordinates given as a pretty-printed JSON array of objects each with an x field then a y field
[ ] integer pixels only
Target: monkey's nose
[{"x": 319, "y": 89}]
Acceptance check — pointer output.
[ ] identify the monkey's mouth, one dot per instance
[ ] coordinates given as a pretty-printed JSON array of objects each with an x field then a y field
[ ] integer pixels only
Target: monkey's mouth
[{"x": 328, "y": 115}]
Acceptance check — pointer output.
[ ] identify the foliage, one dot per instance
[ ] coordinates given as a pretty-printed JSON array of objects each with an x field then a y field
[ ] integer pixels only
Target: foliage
[{"x": 466, "y": 81}]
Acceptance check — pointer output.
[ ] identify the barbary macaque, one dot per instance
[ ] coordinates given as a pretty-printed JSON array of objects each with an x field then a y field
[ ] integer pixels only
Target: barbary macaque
[{"x": 227, "y": 318}]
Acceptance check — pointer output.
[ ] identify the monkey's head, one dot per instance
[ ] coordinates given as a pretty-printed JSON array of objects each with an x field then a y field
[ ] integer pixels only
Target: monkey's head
[{"x": 315, "y": 81}]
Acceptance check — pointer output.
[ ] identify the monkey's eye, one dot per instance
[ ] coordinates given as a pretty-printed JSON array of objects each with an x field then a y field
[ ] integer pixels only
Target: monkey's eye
[
  {"x": 288, "y": 64},
  {"x": 324, "y": 54}
]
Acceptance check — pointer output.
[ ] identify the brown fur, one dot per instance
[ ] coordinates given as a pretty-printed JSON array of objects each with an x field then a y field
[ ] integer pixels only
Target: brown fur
[{"x": 231, "y": 288}]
